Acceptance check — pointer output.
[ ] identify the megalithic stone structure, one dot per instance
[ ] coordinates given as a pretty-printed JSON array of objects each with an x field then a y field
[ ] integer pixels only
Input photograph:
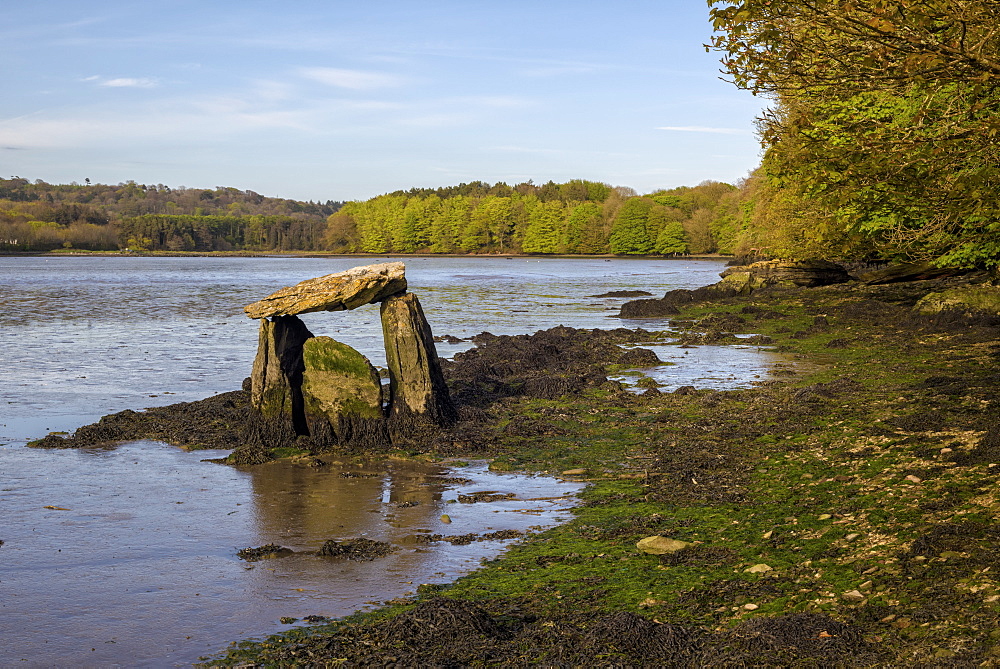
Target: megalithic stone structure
[
  {"x": 327, "y": 389},
  {"x": 416, "y": 384}
]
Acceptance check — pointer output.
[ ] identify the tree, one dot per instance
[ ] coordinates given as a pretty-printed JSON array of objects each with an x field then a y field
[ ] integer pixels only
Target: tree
[
  {"x": 886, "y": 122},
  {"x": 544, "y": 228},
  {"x": 671, "y": 239},
  {"x": 629, "y": 234}
]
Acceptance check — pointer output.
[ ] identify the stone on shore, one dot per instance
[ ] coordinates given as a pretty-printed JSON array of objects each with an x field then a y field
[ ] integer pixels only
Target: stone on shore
[
  {"x": 341, "y": 391},
  {"x": 970, "y": 300},
  {"x": 276, "y": 378},
  {"x": 657, "y": 545},
  {"x": 901, "y": 272},
  {"x": 347, "y": 290},
  {"x": 416, "y": 384},
  {"x": 811, "y": 273}
]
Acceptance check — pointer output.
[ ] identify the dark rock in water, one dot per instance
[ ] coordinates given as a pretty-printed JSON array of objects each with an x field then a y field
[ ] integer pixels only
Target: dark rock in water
[
  {"x": 416, "y": 384},
  {"x": 276, "y": 379},
  {"x": 314, "y": 619},
  {"x": 356, "y": 549},
  {"x": 476, "y": 497},
  {"x": 670, "y": 303},
  {"x": 263, "y": 552},
  {"x": 623, "y": 293},
  {"x": 548, "y": 364},
  {"x": 639, "y": 357},
  {"x": 341, "y": 392},
  {"x": 353, "y": 288},
  {"x": 220, "y": 421}
]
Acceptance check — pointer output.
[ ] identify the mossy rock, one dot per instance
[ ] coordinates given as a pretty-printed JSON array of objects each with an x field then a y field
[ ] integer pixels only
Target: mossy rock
[
  {"x": 338, "y": 381},
  {"x": 982, "y": 299}
]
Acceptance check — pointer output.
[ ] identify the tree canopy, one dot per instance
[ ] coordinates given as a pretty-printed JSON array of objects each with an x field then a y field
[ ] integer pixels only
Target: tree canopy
[{"x": 883, "y": 136}]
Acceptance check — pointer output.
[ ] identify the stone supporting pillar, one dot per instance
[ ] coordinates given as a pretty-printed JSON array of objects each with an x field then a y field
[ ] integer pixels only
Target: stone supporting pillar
[
  {"x": 276, "y": 379},
  {"x": 416, "y": 384}
]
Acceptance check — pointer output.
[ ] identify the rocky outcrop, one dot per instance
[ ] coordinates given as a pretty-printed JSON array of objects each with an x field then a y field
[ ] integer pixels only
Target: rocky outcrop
[
  {"x": 670, "y": 303},
  {"x": 341, "y": 393},
  {"x": 810, "y": 273},
  {"x": 334, "y": 292},
  {"x": 416, "y": 384},
  {"x": 978, "y": 299},
  {"x": 901, "y": 272}
]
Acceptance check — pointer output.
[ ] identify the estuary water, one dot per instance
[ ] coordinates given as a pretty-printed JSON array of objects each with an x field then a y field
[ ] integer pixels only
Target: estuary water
[{"x": 127, "y": 555}]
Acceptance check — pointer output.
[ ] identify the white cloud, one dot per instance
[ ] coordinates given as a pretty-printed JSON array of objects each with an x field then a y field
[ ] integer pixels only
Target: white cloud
[
  {"x": 701, "y": 128},
  {"x": 127, "y": 82},
  {"x": 352, "y": 79}
]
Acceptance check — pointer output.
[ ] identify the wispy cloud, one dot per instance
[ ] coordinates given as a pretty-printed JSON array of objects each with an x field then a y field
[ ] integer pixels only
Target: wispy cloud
[
  {"x": 353, "y": 79},
  {"x": 122, "y": 82},
  {"x": 129, "y": 82},
  {"x": 702, "y": 128}
]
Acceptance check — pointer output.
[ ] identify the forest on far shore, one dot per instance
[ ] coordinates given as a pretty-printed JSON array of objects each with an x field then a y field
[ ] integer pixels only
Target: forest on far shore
[{"x": 577, "y": 217}]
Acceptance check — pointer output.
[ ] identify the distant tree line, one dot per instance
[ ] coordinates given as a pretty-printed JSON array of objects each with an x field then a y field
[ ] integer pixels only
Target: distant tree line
[
  {"x": 577, "y": 217},
  {"x": 37, "y": 216}
]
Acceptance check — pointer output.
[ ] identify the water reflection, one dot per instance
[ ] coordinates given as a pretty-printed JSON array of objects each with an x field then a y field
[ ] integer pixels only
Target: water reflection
[{"x": 137, "y": 565}]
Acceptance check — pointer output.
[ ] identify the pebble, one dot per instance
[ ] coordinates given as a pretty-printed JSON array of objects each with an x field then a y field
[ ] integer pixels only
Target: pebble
[
  {"x": 750, "y": 607},
  {"x": 853, "y": 596},
  {"x": 446, "y": 518},
  {"x": 759, "y": 569}
]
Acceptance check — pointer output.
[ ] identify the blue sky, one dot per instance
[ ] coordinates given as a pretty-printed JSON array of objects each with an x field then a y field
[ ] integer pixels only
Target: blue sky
[{"x": 346, "y": 100}]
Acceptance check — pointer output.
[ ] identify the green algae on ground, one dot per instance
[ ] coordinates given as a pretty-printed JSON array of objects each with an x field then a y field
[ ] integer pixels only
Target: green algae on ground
[{"x": 840, "y": 515}]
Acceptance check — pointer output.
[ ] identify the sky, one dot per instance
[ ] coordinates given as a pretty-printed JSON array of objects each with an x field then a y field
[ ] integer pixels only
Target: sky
[{"x": 340, "y": 100}]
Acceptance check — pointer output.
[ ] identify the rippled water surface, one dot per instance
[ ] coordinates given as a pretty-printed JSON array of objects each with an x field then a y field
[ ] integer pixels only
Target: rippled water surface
[{"x": 127, "y": 555}]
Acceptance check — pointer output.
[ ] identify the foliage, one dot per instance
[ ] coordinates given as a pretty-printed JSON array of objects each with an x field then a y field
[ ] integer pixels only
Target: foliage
[
  {"x": 37, "y": 216},
  {"x": 885, "y": 125},
  {"x": 575, "y": 217}
]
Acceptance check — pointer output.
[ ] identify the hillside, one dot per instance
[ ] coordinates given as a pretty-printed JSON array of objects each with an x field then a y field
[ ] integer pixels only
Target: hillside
[{"x": 38, "y": 216}]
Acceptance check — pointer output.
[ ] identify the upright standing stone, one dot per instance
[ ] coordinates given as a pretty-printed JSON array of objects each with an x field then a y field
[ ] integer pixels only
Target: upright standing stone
[
  {"x": 342, "y": 393},
  {"x": 416, "y": 385},
  {"x": 276, "y": 378}
]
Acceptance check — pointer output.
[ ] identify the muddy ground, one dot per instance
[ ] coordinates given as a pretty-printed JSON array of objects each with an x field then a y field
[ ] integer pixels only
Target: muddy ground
[{"x": 842, "y": 513}]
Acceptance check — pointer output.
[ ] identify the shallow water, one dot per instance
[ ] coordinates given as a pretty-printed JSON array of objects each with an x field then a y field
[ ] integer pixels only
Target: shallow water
[{"x": 137, "y": 564}]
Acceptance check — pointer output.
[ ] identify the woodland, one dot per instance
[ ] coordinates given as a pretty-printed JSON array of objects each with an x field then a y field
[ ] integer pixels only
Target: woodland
[{"x": 578, "y": 217}]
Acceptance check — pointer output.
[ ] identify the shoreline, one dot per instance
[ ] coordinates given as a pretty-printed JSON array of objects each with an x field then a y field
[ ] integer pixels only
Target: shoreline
[
  {"x": 842, "y": 512},
  {"x": 318, "y": 254}
]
